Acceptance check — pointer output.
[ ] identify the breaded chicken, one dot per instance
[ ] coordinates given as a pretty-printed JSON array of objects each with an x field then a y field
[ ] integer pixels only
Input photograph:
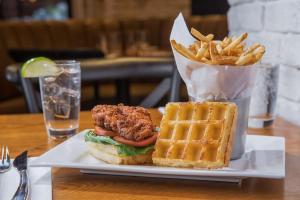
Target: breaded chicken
[{"x": 130, "y": 122}]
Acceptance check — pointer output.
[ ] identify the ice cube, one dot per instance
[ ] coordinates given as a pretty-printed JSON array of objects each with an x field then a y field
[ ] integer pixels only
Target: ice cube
[
  {"x": 62, "y": 110},
  {"x": 57, "y": 107},
  {"x": 50, "y": 79},
  {"x": 69, "y": 80},
  {"x": 51, "y": 89},
  {"x": 70, "y": 96}
]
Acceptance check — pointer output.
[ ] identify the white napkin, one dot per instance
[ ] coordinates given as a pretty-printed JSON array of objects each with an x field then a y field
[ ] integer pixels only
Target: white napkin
[{"x": 40, "y": 182}]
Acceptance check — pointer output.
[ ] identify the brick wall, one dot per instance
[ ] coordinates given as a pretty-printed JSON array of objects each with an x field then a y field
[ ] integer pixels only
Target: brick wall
[
  {"x": 276, "y": 24},
  {"x": 133, "y": 9}
]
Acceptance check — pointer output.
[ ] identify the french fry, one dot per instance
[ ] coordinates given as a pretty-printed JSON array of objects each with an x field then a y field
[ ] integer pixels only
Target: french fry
[
  {"x": 202, "y": 43},
  {"x": 212, "y": 52},
  {"x": 235, "y": 52},
  {"x": 219, "y": 49},
  {"x": 210, "y": 37},
  {"x": 236, "y": 42},
  {"x": 245, "y": 59},
  {"x": 229, "y": 51},
  {"x": 206, "y": 61},
  {"x": 226, "y": 60},
  {"x": 201, "y": 51},
  {"x": 192, "y": 48},
  {"x": 259, "y": 54},
  {"x": 186, "y": 52},
  {"x": 261, "y": 49},
  {"x": 258, "y": 57},
  {"x": 241, "y": 46},
  {"x": 200, "y": 36},
  {"x": 252, "y": 48},
  {"x": 173, "y": 43},
  {"x": 226, "y": 41},
  {"x": 197, "y": 45},
  {"x": 207, "y": 55},
  {"x": 182, "y": 50}
]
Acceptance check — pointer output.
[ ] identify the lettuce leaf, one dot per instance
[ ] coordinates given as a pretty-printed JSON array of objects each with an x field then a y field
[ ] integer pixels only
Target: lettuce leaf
[
  {"x": 92, "y": 137},
  {"x": 123, "y": 149}
]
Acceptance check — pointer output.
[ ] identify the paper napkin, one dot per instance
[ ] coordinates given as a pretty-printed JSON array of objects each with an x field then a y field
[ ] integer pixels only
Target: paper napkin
[{"x": 40, "y": 182}]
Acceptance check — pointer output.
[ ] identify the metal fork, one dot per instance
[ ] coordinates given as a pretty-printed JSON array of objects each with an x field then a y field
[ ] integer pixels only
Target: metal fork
[{"x": 5, "y": 163}]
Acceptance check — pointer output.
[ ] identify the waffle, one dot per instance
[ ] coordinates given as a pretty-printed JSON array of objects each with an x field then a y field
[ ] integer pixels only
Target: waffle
[{"x": 196, "y": 135}]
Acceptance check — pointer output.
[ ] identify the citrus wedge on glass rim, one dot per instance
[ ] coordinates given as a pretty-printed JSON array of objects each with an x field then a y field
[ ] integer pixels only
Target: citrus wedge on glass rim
[{"x": 39, "y": 66}]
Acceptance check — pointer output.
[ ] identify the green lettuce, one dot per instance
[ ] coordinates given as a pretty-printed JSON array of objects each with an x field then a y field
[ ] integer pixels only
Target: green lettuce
[{"x": 123, "y": 149}]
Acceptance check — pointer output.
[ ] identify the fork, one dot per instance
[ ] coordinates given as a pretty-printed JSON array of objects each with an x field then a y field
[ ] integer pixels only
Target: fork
[{"x": 5, "y": 163}]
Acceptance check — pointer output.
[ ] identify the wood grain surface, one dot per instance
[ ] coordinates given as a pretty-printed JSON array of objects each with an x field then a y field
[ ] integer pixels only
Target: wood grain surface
[{"x": 27, "y": 132}]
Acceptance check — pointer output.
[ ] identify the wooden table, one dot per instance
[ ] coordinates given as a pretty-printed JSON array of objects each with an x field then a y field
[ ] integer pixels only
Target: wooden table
[{"x": 23, "y": 132}]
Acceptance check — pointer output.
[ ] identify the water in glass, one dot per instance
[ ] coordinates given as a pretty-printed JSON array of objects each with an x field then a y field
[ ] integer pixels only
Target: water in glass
[
  {"x": 61, "y": 100},
  {"x": 264, "y": 95}
]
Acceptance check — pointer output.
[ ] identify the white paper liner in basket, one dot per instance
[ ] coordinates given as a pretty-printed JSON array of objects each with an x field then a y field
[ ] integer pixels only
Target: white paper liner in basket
[{"x": 210, "y": 82}]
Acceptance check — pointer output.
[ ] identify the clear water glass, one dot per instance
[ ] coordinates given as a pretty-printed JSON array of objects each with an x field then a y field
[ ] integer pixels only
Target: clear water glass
[
  {"x": 264, "y": 96},
  {"x": 60, "y": 96}
]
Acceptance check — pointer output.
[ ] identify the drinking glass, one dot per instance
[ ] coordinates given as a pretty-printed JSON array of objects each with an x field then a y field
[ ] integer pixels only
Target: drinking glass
[
  {"x": 264, "y": 95},
  {"x": 60, "y": 96}
]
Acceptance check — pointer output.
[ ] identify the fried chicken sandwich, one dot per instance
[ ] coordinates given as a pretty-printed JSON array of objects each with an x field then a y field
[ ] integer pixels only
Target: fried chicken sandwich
[{"x": 122, "y": 134}]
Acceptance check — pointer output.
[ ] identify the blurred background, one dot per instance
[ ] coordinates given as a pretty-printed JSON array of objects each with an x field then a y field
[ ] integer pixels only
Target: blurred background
[
  {"x": 100, "y": 32},
  {"x": 97, "y": 30}
]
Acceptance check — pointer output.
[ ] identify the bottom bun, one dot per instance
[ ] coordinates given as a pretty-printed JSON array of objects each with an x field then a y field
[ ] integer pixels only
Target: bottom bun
[{"x": 109, "y": 154}]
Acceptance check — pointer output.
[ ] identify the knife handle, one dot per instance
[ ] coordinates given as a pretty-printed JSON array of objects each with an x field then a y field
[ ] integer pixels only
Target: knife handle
[{"x": 22, "y": 192}]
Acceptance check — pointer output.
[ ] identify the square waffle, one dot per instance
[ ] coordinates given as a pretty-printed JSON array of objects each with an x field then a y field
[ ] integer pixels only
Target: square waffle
[{"x": 196, "y": 135}]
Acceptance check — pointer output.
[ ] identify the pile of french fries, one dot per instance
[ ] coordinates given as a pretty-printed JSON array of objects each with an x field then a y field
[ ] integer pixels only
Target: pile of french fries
[{"x": 229, "y": 51}]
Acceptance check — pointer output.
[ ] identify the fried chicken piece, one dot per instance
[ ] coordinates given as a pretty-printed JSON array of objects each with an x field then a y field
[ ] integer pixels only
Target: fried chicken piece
[{"x": 133, "y": 123}]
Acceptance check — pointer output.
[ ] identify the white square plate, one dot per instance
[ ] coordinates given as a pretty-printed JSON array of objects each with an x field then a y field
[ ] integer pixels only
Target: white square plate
[{"x": 264, "y": 158}]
